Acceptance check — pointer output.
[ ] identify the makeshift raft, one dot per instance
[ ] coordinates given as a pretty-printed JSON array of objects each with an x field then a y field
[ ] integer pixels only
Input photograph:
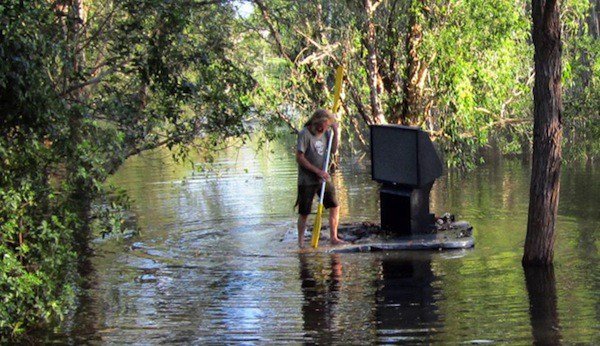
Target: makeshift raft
[
  {"x": 367, "y": 237},
  {"x": 406, "y": 164}
]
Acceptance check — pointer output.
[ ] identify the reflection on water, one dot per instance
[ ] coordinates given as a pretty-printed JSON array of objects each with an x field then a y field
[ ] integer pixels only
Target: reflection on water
[
  {"x": 217, "y": 263},
  {"x": 541, "y": 286},
  {"x": 406, "y": 301},
  {"x": 321, "y": 293}
]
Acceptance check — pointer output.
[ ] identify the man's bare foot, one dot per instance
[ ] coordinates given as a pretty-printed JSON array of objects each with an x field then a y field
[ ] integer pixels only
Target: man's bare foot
[{"x": 337, "y": 241}]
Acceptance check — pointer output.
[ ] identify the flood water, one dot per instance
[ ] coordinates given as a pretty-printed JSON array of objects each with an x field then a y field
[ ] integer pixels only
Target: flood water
[{"x": 217, "y": 262}]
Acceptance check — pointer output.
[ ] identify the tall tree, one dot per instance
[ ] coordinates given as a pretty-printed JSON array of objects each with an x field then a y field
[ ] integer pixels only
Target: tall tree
[
  {"x": 547, "y": 130},
  {"x": 372, "y": 61}
]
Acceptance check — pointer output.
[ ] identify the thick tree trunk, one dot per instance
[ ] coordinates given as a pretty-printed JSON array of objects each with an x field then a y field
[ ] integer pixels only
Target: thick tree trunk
[
  {"x": 547, "y": 96},
  {"x": 372, "y": 68}
]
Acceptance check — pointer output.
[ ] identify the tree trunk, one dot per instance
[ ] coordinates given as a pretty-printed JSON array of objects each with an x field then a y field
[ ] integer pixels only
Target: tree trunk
[
  {"x": 389, "y": 69},
  {"x": 593, "y": 26},
  {"x": 80, "y": 195},
  {"x": 547, "y": 131},
  {"x": 594, "y": 18},
  {"x": 416, "y": 71},
  {"x": 372, "y": 68}
]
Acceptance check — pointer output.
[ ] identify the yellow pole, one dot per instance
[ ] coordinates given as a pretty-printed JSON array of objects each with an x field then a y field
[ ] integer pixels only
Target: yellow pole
[{"x": 337, "y": 90}]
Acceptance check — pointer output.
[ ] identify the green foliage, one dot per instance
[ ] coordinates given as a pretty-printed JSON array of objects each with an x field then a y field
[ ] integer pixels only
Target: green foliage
[
  {"x": 582, "y": 105},
  {"x": 35, "y": 234},
  {"x": 35, "y": 276},
  {"x": 476, "y": 59},
  {"x": 294, "y": 78},
  {"x": 81, "y": 89},
  {"x": 481, "y": 71},
  {"x": 581, "y": 115}
]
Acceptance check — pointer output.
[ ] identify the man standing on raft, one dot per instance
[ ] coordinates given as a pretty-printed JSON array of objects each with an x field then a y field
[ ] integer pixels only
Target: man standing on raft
[{"x": 310, "y": 155}]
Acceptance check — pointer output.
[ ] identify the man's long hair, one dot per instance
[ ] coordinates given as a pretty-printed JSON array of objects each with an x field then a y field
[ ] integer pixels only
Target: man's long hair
[{"x": 320, "y": 116}]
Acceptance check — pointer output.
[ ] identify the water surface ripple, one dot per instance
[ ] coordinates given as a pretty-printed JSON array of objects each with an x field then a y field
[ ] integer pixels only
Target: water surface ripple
[{"x": 216, "y": 262}]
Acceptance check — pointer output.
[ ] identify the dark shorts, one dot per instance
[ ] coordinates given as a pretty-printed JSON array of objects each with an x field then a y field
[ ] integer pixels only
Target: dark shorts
[{"x": 306, "y": 194}]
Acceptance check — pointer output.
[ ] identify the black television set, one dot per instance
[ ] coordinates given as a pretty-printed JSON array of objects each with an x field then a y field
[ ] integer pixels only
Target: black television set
[
  {"x": 403, "y": 155},
  {"x": 404, "y": 160}
]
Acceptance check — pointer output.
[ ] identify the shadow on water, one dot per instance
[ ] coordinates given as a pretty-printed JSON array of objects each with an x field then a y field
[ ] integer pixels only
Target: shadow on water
[{"x": 543, "y": 305}]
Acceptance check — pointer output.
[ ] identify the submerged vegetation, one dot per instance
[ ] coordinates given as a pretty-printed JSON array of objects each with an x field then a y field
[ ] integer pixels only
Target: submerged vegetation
[{"x": 86, "y": 84}]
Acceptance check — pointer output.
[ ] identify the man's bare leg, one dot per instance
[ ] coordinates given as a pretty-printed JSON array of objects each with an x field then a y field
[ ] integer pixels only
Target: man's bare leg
[
  {"x": 301, "y": 227},
  {"x": 334, "y": 218}
]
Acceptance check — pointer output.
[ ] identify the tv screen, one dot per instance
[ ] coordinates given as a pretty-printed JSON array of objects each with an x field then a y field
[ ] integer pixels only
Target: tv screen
[{"x": 403, "y": 155}]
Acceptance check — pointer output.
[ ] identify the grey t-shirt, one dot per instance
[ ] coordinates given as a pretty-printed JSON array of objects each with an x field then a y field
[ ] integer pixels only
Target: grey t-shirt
[{"x": 315, "y": 151}]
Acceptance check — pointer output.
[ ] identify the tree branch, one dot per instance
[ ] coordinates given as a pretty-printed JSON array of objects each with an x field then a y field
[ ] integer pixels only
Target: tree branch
[{"x": 266, "y": 16}]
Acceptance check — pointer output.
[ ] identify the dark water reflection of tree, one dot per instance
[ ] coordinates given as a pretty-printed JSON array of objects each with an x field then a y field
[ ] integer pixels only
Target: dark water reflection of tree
[{"x": 541, "y": 288}]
